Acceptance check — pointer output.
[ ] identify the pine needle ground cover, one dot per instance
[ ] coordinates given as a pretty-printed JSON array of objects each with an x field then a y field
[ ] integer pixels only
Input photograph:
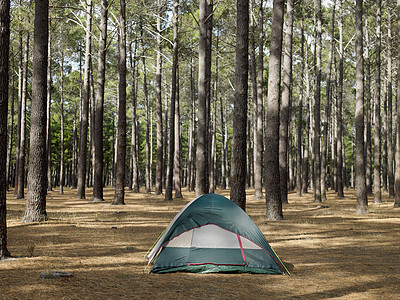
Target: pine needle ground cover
[{"x": 330, "y": 250}]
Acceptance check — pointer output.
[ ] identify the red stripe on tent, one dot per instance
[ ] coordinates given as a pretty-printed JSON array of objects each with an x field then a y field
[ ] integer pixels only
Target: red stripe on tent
[{"x": 241, "y": 249}]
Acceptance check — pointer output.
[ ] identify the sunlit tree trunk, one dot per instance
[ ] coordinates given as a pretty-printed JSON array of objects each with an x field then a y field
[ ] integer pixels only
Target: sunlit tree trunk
[
  {"x": 362, "y": 200},
  {"x": 272, "y": 180},
  {"x": 37, "y": 178},
  {"x": 171, "y": 144},
  {"x": 377, "y": 110}
]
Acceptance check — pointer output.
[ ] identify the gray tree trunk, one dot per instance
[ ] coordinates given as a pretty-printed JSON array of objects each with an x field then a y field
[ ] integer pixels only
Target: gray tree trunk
[
  {"x": 119, "y": 195},
  {"x": 99, "y": 107},
  {"x": 62, "y": 124},
  {"x": 134, "y": 182},
  {"x": 361, "y": 188},
  {"x": 37, "y": 178},
  {"x": 83, "y": 136},
  {"x": 367, "y": 92},
  {"x": 272, "y": 178},
  {"x": 390, "y": 110},
  {"x": 397, "y": 171}
]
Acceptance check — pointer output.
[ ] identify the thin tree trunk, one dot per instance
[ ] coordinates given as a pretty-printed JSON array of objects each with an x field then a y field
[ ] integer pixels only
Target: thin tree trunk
[
  {"x": 11, "y": 125},
  {"x": 4, "y": 76},
  {"x": 390, "y": 109},
  {"x": 362, "y": 200},
  {"x": 224, "y": 169},
  {"x": 258, "y": 134},
  {"x": 213, "y": 157},
  {"x": 190, "y": 160},
  {"x": 300, "y": 117},
  {"x": 238, "y": 163},
  {"x": 48, "y": 125},
  {"x": 22, "y": 150},
  {"x": 171, "y": 144},
  {"x": 339, "y": 167},
  {"x": 377, "y": 111},
  {"x": 160, "y": 150},
  {"x": 62, "y": 124},
  {"x": 272, "y": 178},
  {"x": 37, "y": 180},
  {"x": 119, "y": 195},
  {"x": 368, "y": 135},
  {"x": 134, "y": 157},
  {"x": 205, "y": 23},
  {"x": 285, "y": 104},
  {"x": 306, "y": 155},
  {"x": 178, "y": 144},
  {"x": 324, "y": 159},
  {"x": 317, "y": 110},
  {"x": 83, "y": 136},
  {"x": 99, "y": 108}
]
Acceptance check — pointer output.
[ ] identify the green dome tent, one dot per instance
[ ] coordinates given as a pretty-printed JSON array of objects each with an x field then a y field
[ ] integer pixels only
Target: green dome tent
[{"x": 213, "y": 234}]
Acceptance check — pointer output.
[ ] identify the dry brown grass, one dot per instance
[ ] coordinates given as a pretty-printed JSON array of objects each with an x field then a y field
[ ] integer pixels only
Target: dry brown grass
[{"x": 335, "y": 252}]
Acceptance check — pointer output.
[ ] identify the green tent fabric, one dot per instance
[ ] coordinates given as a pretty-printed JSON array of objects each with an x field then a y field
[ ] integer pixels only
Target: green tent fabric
[{"x": 213, "y": 234}]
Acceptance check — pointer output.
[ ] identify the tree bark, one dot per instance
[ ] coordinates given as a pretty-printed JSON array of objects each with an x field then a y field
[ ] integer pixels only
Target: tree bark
[
  {"x": 62, "y": 124},
  {"x": 37, "y": 180},
  {"x": 22, "y": 151},
  {"x": 258, "y": 134},
  {"x": 361, "y": 188},
  {"x": 397, "y": 172},
  {"x": 300, "y": 117},
  {"x": 178, "y": 144},
  {"x": 368, "y": 135},
  {"x": 205, "y": 23},
  {"x": 390, "y": 109},
  {"x": 11, "y": 125},
  {"x": 339, "y": 166},
  {"x": 238, "y": 163},
  {"x": 160, "y": 150},
  {"x": 272, "y": 178},
  {"x": 377, "y": 110},
  {"x": 285, "y": 104},
  {"x": 4, "y": 76},
  {"x": 83, "y": 136},
  {"x": 171, "y": 144},
  {"x": 191, "y": 153},
  {"x": 119, "y": 195},
  {"x": 99, "y": 108}
]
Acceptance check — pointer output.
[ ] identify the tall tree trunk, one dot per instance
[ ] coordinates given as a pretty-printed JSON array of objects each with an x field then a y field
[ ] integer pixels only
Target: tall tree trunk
[
  {"x": 362, "y": 200},
  {"x": 300, "y": 117},
  {"x": 317, "y": 109},
  {"x": 306, "y": 155},
  {"x": 160, "y": 150},
  {"x": 190, "y": 161},
  {"x": 37, "y": 180},
  {"x": 48, "y": 125},
  {"x": 119, "y": 195},
  {"x": 339, "y": 167},
  {"x": 205, "y": 23},
  {"x": 324, "y": 157},
  {"x": 11, "y": 125},
  {"x": 238, "y": 163},
  {"x": 4, "y": 76},
  {"x": 134, "y": 159},
  {"x": 83, "y": 136},
  {"x": 258, "y": 125},
  {"x": 62, "y": 124},
  {"x": 171, "y": 144},
  {"x": 285, "y": 104},
  {"x": 22, "y": 151},
  {"x": 397, "y": 172},
  {"x": 224, "y": 168},
  {"x": 272, "y": 178},
  {"x": 368, "y": 135},
  {"x": 390, "y": 109},
  {"x": 384, "y": 136},
  {"x": 377, "y": 111},
  {"x": 99, "y": 108},
  {"x": 178, "y": 144}
]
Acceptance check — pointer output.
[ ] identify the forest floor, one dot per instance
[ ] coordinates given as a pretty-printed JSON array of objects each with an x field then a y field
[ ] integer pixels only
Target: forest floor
[{"x": 332, "y": 251}]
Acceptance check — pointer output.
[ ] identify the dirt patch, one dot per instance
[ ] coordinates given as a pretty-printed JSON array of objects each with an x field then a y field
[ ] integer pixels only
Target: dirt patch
[{"x": 332, "y": 251}]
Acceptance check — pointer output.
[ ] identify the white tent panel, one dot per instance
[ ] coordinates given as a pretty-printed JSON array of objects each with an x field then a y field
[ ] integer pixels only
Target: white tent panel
[
  {"x": 247, "y": 244},
  {"x": 213, "y": 236},
  {"x": 183, "y": 240}
]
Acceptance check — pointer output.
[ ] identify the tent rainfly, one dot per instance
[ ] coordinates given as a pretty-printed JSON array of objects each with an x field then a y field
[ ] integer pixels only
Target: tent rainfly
[{"x": 212, "y": 234}]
